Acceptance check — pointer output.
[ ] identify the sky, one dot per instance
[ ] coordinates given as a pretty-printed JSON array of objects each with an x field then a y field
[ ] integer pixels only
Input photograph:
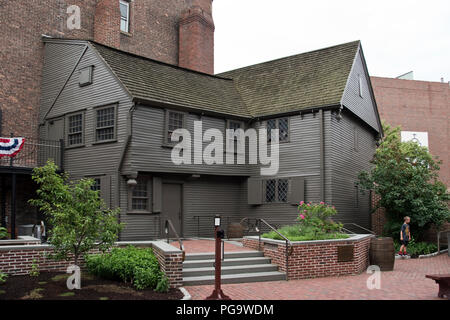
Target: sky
[{"x": 397, "y": 36}]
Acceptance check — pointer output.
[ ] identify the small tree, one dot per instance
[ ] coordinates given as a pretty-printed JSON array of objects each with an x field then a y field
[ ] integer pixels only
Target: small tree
[
  {"x": 78, "y": 218},
  {"x": 405, "y": 176}
]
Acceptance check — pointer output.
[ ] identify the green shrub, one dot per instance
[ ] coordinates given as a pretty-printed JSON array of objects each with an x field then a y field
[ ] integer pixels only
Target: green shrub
[
  {"x": 3, "y": 277},
  {"x": 145, "y": 278},
  {"x": 3, "y": 233},
  {"x": 163, "y": 285},
  {"x": 294, "y": 233},
  {"x": 313, "y": 223},
  {"x": 34, "y": 272},
  {"x": 416, "y": 249},
  {"x": 130, "y": 264}
]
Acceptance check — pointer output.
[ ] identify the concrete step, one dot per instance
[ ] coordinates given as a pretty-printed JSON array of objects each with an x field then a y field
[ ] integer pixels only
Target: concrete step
[
  {"x": 209, "y": 271},
  {"x": 209, "y": 263},
  {"x": 228, "y": 255},
  {"x": 236, "y": 278}
]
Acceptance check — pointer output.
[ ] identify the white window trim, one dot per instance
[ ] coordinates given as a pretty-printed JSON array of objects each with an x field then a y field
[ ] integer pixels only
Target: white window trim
[{"x": 127, "y": 4}]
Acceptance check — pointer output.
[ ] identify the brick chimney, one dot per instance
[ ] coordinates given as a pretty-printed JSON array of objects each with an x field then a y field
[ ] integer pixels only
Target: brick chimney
[
  {"x": 196, "y": 36},
  {"x": 107, "y": 23}
]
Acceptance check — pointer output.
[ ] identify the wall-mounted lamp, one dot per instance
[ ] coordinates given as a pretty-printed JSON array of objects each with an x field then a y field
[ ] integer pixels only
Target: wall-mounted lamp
[
  {"x": 131, "y": 183},
  {"x": 217, "y": 221},
  {"x": 339, "y": 114}
]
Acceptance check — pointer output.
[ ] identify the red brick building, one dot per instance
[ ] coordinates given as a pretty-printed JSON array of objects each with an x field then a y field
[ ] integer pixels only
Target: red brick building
[
  {"x": 177, "y": 32},
  {"x": 418, "y": 106},
  {"x": 171, "y": 31}
]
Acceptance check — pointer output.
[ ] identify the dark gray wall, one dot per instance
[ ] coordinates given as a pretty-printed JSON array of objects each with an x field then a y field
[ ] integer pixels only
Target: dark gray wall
[
  {"x": 219, "y": 189},
  {"x": 363, "y": 107}
]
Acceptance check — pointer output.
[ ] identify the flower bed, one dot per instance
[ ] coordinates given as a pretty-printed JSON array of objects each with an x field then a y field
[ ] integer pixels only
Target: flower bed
[
  {"x": 320, "y": 258},
  {"x": 18, "y": 260}
]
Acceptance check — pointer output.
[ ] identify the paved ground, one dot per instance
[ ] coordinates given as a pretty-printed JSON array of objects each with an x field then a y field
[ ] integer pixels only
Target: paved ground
[
  {"x": 406, "y": 282},
  {"x": 204, "y": 246}
]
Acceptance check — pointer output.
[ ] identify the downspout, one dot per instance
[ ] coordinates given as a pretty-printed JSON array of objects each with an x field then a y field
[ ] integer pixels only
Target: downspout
[
  {"x": 122, "y": 156},
  {"x": 322, "y": 156}
]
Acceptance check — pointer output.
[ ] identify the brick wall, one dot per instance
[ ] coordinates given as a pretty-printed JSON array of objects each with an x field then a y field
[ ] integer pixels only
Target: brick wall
[
  {"x": 314, "y": 259},
  {"x": 196, "y": 49},
  {"x": 418, "y": 106},
  {"x": 153, "y": 33},
  {"x": 17, "y": 260}
]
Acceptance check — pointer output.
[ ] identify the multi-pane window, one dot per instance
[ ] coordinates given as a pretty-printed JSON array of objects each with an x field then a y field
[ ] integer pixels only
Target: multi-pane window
[
  {"x": 282, "y": 124},
  {"x": 75, "y": 130},
  {"x": 234, "y": 135},
  {"x": 124, "y": 16},
  {"x": 140, "y": 196},
  {"x": 97, "y": 184},
  {"x": 105, "y": 124},
  {"x": 175, "y": 120},
  {"x": 276, "y": 190},
  {"x": 271, "y": 190}
]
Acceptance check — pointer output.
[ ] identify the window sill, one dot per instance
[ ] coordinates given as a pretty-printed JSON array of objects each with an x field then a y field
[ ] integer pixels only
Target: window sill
[
  {"x": 135, "y": 212},
  {"x": 104, "y": 142},
  {"x": 74, "y": 146},
  {"x": 126, "y": 33},
  {"x": 168, "y": 146}
]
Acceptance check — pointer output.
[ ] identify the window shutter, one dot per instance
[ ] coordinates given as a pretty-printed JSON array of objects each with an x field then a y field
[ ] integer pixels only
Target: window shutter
[
  {"x": 297, "y": 193},
  {"x": 105, "y": 190},
  {"x": 157, "y": 194},
  {"x": 254, "y": 191}
]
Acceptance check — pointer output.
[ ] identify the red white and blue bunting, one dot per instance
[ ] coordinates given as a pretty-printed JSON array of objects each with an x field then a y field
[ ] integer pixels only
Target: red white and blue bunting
[{"x": 9, "y": 147}]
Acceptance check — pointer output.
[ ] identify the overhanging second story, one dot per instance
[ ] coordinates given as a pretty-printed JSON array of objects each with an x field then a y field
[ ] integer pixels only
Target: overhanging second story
[{"x": 118, "y": 110}]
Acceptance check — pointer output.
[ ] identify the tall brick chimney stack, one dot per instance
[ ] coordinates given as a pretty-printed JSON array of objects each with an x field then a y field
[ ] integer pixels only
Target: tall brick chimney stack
[
  {"x": 107, "y": 23},
  {"x": 196, "y": 36}
]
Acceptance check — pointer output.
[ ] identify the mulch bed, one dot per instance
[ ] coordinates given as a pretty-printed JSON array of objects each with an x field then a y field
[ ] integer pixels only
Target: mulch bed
[{"x": 52, "y": 286}]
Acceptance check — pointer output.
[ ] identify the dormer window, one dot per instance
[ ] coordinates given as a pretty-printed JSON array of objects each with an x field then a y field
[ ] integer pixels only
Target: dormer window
[{"x": 124, "y": 16}]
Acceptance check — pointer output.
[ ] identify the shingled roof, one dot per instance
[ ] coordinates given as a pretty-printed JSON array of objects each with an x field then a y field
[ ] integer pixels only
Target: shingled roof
[
  {"x": 312, "y": 79},
  {"x": 308, "y": 80},
  {"x": 151, "y": 80}
]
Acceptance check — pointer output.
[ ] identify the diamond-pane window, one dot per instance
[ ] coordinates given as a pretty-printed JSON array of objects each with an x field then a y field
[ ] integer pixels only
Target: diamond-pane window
[
  {"x": 105, "y": 129},
  {"x": 282, "y": 125},
  {"x": 175, "y": 121},
  {"x": 271, "y": 190},
  {"x": 277, "y": 190},
  {"x": 283, "y": 186},
  {"x": 140, "y": 196},
  {"x": 75, "y": 134}
]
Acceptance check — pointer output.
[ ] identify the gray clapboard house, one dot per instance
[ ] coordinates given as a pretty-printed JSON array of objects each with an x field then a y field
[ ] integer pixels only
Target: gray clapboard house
[{"x": 116, "y": 111}]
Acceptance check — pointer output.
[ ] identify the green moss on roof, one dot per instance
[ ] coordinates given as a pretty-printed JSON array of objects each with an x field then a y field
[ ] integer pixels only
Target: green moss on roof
[
  {"x": 313, "y": 79},
  {"x": 156, "y": 81}
]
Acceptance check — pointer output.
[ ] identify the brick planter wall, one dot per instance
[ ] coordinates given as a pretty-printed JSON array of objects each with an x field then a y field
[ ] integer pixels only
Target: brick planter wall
[
  {"x": 314, "y": 259},
  {"x": 17, "y": 260}
]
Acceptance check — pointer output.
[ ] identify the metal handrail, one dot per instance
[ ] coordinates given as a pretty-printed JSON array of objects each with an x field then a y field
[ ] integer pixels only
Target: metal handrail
[
  {"x": 169, "y": 226},
  {"x": 289, "y": 247},
  {"x": 357, "y": 225},
  {"x": 439, "y": 239}
]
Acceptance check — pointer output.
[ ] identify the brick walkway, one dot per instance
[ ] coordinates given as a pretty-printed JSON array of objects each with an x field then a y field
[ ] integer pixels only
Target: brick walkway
[
  {"x": 204, "y": 246},
  {"x": 406, "y": 282}
]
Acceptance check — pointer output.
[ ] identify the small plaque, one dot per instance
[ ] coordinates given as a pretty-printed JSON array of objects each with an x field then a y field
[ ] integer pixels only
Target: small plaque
[{"x": 345, "y": 252}]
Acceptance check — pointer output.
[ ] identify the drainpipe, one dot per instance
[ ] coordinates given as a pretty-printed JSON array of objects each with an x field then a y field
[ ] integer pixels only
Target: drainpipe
[
  {"x": 122, "y": 157},
  {"x": 322, "y": 156}
]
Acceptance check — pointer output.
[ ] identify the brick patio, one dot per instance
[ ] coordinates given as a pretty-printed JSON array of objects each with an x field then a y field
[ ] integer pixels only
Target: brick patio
[{"x": 407, "y": 282}]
